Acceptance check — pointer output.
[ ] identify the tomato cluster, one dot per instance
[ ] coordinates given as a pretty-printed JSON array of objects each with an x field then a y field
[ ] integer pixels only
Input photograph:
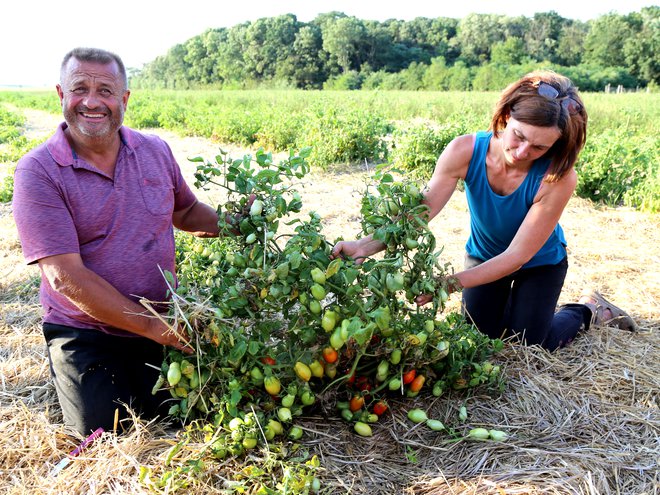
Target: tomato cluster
[{"x": 280, "y": 328}]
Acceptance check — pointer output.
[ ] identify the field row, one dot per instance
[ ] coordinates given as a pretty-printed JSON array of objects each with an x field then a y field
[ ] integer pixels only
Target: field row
[{"x": 619, "y": 166}]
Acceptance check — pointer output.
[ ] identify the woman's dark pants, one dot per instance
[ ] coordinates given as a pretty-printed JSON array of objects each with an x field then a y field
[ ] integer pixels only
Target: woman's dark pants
[{"x": 523, "y": 304}]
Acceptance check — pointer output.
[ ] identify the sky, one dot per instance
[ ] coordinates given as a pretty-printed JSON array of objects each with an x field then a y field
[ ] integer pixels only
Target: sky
[{"x": 35, "y": 34}]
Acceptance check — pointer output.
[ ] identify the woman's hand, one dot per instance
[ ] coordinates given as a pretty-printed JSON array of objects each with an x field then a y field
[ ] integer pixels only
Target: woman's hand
[{"x": 450, "y": 284}]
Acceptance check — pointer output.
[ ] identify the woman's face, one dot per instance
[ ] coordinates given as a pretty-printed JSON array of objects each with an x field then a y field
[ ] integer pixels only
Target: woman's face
[{"x": 523, "y": 143}]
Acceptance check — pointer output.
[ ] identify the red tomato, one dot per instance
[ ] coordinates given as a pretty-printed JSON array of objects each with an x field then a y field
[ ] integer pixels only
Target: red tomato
[
  {"x": 268, "y": 360},
  {"x": 409, "y": 376},
  {"x": 380, "y": 408},
  {"x": 363, "y": 383}
]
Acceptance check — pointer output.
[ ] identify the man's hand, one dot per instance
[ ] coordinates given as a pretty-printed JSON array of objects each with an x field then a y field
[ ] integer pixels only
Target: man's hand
[{"x": 161, "y": 333}]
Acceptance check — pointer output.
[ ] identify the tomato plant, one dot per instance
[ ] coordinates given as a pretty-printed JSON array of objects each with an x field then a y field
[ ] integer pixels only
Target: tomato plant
[{"x": 280, "y": 327}]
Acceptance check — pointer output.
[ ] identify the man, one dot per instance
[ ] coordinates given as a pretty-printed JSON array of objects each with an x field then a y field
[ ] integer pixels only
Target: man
[{"x": 95, "y": 207}]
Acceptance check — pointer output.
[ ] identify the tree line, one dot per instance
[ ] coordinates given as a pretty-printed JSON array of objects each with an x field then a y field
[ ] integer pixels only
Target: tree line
[{"x": 477, "y": 52}]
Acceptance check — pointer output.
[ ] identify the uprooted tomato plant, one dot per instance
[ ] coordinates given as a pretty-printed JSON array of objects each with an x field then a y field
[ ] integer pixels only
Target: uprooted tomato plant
[{"x": 281, "y": 329}]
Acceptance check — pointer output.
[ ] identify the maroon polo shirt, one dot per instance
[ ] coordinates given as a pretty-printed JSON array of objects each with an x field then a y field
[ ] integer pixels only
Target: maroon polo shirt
[{"x": 121, "y": 226}]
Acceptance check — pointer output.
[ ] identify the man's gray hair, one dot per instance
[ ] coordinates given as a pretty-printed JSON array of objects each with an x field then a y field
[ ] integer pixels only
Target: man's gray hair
[{"x": 94, "y": 55}]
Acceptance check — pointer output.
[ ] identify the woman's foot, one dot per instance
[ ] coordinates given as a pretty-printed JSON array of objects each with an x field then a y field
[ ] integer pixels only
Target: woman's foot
[{"x": 605, "y": 313}]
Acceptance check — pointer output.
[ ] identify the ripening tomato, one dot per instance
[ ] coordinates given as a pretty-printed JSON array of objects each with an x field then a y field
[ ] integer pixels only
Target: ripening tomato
[
  {"x": 330, "y": 355},
  {"x": 331, "y": 370},
  {"x": 302, "y": 371},
  {"x": 316, "y": 368},
  {"x": 272, "y": 385},
  {"x": 356, "y": 403},
  {"x": 409, "y": 376},
  {"x": 417, "y": 384},
  {"x": 268, "y": 360}
]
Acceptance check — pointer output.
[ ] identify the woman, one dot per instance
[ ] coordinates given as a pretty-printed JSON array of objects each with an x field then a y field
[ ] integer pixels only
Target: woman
[{"x": 518, "y": 178}]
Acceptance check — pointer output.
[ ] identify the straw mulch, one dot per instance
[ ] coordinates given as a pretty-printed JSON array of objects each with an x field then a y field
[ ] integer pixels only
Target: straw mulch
[{"x": 582, "y": 420}]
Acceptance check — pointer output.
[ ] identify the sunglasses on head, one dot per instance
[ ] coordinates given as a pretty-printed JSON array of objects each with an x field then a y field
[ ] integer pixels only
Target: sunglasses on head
[{"x": 552, "y": 93}]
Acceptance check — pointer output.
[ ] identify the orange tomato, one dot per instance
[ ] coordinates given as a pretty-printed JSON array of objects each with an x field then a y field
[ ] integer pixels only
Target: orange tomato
[
  {"x": 417, "y": 383},
  {"x": 356, "y": 403},
  {"x": 330, "y": 355}
]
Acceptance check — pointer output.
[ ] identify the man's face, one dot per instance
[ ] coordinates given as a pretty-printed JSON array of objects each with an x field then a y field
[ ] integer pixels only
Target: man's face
[{"x": 93, "y": 98}]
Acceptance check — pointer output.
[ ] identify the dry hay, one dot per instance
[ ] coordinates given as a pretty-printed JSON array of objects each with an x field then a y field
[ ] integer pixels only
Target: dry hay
[{"x": 582, "y": 420}]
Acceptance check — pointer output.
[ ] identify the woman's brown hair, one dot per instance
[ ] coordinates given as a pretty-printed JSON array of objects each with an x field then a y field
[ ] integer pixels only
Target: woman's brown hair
[{"x": 547, "y": 99}]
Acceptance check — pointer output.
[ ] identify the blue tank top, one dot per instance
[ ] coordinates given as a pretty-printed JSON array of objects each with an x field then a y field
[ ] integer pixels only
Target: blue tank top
[{"x": 495, "y": 219}]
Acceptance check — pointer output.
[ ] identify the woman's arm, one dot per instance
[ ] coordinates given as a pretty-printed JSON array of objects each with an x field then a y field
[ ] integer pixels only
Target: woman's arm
[{"x": 451, "y": 166}]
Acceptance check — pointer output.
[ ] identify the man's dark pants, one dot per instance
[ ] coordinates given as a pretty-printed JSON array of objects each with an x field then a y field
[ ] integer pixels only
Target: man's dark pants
[{"x": 96, "y": 373}]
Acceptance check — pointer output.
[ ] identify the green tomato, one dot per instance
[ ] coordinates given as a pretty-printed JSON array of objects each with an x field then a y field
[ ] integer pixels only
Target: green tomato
[
  {"x": 329, "y": 320},
  {"x": 288, "y": 400},
  {"x": 362, "y": 429},
  {"x": 417, "y": 415},
  {"x": 479, "y": 433},
  {"x": 394, "y": 281},
  {"x": 318, "y": 292},
  {"x": 173, "y": 374},
  {"x": 256, "y": 208},
  {"x": 435, "y": 425},
  {"x": 318, "y": 276},
  {"x": 497, "y": 435},
  {"x": 462, "y": 413},
  {"x": 315, "y": 307},
  {"x": 295, "y": 433}
]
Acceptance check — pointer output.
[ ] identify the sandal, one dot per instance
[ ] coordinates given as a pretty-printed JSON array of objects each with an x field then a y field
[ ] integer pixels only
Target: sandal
[{"x": 619, "y": 319}]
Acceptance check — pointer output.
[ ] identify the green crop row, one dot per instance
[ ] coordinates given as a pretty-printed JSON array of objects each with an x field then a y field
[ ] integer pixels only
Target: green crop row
[{"x": 620, "y": 164}]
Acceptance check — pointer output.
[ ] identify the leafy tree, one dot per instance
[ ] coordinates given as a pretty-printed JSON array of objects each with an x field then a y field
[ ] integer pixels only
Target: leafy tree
[
  {"x": 306, "y": 65},
  {"x": 476, "y": 34},
  {"x": 342, "y": 40},
  {"x": 460, "y": 77},
  {"x": 436, "y": 75},
  {"x": 542, "y": 37},
  {"x": 604, "y": 45},
  {"x": 508, "y": 52},
  {"x": 269, "y": 42},
  {"x": 642, "y": 50},
  {"x": 570, "y": 45}
]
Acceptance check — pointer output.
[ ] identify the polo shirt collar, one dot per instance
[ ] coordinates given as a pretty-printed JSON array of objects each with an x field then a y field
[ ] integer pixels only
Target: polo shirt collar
[{"x": 61, "y": 151}]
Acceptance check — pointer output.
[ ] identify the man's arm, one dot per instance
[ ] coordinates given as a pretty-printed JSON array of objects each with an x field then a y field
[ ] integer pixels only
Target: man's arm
[
  {"x": 92, "y": 294},
  {"x": 199, "y": 219}
]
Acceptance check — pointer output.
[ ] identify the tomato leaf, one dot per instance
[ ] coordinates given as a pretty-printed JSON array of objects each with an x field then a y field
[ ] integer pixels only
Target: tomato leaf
[{"x": 333, "y": 267}]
